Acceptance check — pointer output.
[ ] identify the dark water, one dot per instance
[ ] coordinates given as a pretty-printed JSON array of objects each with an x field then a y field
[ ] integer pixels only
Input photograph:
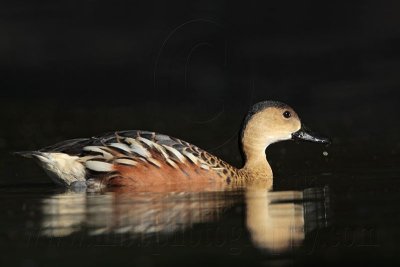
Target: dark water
[
  {"x": 322, "y": 209},
  {"x": 325, "y": 218}
]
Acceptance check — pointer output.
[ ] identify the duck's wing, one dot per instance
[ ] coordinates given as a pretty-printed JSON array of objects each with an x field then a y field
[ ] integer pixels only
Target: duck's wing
[
  {"x": 134, "y": 144},
  {"x": 141, "y": 157}
]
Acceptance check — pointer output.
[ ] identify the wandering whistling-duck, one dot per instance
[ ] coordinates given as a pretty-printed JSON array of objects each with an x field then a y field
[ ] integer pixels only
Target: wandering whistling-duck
[{"x": 142, "y": 158}]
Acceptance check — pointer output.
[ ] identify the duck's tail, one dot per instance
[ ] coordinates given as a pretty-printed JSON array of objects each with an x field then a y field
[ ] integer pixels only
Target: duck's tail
[
  {"x": 27, "y": 154},
  {"x": 61, "y": 167}
]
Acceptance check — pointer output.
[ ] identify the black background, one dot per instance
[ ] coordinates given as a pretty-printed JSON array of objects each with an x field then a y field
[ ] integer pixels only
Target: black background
[{"x": 192, "y": 69}]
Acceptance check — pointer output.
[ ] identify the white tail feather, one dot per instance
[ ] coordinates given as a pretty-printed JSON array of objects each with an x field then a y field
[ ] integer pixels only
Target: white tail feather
[{"x": 62, "y": 168}]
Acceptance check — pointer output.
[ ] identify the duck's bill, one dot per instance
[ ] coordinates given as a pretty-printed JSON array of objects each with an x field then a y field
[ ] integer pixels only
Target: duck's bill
[{"x": 305, "y": 134}]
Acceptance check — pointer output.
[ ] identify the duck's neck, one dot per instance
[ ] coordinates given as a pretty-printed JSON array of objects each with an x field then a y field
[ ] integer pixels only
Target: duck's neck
[{"x": 256, "y": 164}]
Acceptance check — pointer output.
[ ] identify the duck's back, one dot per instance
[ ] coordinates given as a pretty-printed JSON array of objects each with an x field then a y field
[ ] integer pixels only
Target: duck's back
[{"x": 137, "y": 158}]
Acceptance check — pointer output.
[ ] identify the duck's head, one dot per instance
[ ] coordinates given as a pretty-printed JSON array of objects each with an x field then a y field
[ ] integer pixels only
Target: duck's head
[{"x": 269, "y": 122}]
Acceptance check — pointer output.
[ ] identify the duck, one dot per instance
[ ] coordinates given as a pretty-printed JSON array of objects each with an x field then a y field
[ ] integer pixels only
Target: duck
[{"x": 148, "y": 159}]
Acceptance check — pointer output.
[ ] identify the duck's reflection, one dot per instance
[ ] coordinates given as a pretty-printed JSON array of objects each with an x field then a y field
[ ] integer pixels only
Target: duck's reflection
[
  {"x": 132, "y": 212},
  {"x": 280, "y": 220},
  {"x": 276, "y": 221}
]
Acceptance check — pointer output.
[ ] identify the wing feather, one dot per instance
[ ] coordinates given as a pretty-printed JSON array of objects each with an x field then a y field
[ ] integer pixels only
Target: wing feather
[{"x": 134, "y": 149}]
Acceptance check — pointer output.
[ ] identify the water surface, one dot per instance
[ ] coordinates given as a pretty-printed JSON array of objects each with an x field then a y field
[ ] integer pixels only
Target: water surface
[{"x": 300, "y": 221}]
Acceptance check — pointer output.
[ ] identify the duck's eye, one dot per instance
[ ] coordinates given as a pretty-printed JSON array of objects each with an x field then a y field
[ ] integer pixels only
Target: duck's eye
[{"x": 287, "y": 114}]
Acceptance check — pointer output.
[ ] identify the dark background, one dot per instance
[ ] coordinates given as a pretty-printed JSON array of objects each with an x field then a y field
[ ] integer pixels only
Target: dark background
[{"x": 192, "y": 69}]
